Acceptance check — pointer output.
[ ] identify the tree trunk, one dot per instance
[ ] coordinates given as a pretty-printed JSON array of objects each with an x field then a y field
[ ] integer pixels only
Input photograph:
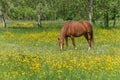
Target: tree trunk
[
  {"x": 114, "y": 16},
  {"x": 90, "y": 10},
  {"x": 106, "y": 19},
  {"x": 115, "y": 12},
  {"x": 3, "y": 20},
  {"x": 39, "y": 21}
]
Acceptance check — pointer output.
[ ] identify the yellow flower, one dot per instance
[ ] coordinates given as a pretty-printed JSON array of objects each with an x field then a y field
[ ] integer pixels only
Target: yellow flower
[
  {"x": 74, "y": 60},
  {"x": 26, "y": 60},
  {"x": 59, "y": 71}
]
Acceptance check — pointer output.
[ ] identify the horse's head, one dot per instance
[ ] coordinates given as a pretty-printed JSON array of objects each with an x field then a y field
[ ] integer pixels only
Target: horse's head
[{"x": 61, "y": 43}]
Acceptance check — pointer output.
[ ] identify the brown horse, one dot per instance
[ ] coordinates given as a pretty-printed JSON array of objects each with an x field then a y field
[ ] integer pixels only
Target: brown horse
[{"x": 76, "y": 29}]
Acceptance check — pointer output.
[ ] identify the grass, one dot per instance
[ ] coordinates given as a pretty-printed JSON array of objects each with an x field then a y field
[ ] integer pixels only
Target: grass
[{"x": 31, "y": 53}]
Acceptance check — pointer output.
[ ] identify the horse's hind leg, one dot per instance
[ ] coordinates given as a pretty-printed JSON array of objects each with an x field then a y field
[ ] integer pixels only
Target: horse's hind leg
[
  {"x": 88, "y": 37},
  {"x": 73, "y": 42}
]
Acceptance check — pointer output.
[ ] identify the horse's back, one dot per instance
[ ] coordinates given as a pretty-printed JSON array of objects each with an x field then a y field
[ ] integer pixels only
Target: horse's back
[
  {"x": 76, "y": 28},
  {"x": 88, "y": 25}
]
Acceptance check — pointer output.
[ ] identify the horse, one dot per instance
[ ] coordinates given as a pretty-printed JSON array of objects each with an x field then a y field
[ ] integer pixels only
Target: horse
[{"x": 76, "y": 29}]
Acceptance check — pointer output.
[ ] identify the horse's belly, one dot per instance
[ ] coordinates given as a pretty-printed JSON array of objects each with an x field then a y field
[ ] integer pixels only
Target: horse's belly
[{"x": 78, "y": 34}]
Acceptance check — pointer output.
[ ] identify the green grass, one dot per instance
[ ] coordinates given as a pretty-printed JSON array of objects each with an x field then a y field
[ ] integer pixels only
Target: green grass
[{"x": 31, "y": 53}]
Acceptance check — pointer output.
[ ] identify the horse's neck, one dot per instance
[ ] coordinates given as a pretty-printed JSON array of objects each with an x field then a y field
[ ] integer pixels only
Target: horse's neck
[
  {"x": 64, "y": 29},
  {"x": 62, "y": 34}
]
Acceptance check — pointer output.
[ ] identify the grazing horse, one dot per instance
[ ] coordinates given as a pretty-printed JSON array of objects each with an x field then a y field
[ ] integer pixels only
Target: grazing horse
[{"x": 76, "y": 29}]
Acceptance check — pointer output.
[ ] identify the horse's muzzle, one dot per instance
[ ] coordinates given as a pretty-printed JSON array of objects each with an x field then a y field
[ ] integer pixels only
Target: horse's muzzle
[{"x": 61, "y": 47}]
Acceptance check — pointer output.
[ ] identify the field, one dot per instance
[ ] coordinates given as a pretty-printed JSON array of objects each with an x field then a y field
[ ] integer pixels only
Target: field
[{"x": 31, "y": 53}]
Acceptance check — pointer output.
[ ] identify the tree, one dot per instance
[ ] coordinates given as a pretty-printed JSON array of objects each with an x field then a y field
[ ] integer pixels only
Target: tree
[
  {"x": 90, "y": 10},
  {"x": 3, "y": 20},
  {"x": 115, "y": 12}
]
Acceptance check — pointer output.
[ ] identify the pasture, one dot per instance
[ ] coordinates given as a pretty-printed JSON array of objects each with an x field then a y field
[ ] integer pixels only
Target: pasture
[{"x": 31, "y": 53}]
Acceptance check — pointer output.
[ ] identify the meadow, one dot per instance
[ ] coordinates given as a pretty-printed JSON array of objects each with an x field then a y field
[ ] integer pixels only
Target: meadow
[{"x": 31, "y": 53}]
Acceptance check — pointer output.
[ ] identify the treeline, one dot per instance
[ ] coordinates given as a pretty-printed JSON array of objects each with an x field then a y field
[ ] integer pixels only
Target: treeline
[{"x": 95, "y": 10}]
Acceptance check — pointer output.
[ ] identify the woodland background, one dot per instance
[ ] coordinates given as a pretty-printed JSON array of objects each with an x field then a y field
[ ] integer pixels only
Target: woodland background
[{"x": 93, "y": 10}]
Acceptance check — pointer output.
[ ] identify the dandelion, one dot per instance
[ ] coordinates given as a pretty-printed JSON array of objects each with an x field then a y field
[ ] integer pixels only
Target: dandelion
[
  {"x": 26, "y": 60},
  {"x": 74, "y": 60},
  {"x": 35, "y": 67},
  {"x": 23, "y": 73},
  {"x": 59, "y": 71}
]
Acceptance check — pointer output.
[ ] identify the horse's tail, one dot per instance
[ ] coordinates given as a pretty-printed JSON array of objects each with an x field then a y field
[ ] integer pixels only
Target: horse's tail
[{"x": 92, "y": 37}]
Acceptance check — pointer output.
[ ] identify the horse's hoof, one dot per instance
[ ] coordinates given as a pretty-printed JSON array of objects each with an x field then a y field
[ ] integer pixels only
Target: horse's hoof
[{"x": 89, "y": 48}]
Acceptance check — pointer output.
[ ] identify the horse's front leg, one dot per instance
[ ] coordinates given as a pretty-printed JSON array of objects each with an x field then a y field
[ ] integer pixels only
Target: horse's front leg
[
  {"x": 73, "y": 42},
  {"x": 66, "y": 38}
]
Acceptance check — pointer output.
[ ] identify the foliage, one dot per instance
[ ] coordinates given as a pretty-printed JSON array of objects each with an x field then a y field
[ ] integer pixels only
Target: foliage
[{"x": 58, "y": 9}]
